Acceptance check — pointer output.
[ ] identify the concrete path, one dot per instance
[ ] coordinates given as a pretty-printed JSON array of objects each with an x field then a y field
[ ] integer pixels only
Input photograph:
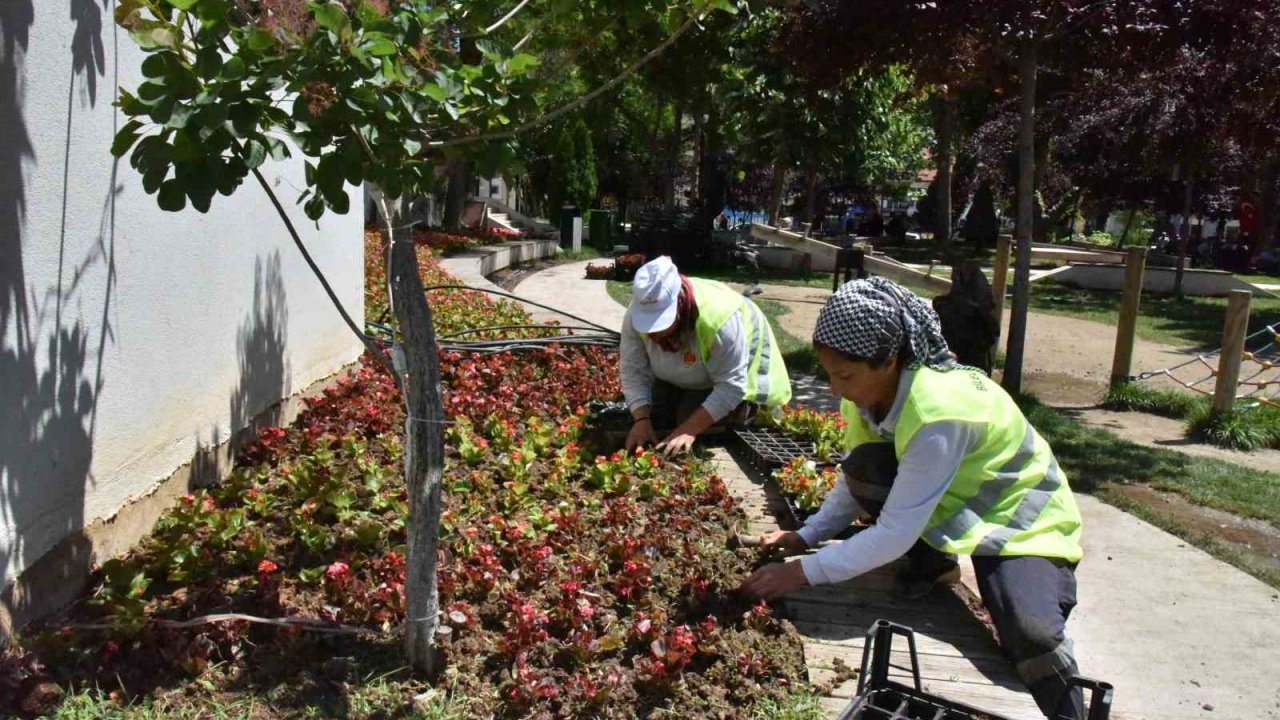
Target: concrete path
[
  {"x": 565, "y": 287},
  {"x": 1180, "y": 634}
]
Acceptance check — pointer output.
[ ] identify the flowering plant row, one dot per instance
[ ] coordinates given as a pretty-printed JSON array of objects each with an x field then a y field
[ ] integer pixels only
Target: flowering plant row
[
  {"x": 804, "y": 483},
  {"x": 572, "y": 584}
]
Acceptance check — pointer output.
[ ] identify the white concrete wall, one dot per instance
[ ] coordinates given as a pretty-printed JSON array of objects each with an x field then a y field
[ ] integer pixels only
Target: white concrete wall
[{"x": 130, "y": 336}]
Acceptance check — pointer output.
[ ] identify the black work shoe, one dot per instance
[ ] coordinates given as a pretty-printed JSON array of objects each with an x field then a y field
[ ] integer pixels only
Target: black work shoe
[{"x": 913, "y": 583}]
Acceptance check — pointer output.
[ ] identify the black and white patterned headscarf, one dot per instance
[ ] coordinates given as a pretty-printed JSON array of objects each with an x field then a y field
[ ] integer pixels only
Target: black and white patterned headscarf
[{"x": 877, "y": 319}]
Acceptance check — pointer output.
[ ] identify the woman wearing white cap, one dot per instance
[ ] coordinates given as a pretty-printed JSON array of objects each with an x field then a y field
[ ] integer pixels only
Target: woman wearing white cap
[{"x": 694, "y": 354}]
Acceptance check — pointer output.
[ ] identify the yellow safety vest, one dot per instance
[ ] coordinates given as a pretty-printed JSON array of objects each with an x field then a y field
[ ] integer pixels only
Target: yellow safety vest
[
  {"x": 1009, "y": 497},
  {"x": 767, "y": 379}
]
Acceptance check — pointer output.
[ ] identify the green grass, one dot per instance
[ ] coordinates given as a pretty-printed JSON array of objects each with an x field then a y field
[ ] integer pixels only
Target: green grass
[
  {"x": 797, "y": 353},
  {"x": 799, "y": 705},
  {"x": 1098, "y": 462},
  {"x": 586, "y": 253},
  {"x": 618, "y": 290},
  {"x": 1094, "y": 458},
  {"x": 1186, "y": 322},
  {"x": 378, "y": 698},
  {"x": 1259, "y": 279},
  {"x": 1132, "y": 396},
  {"x": 1245, "y": 428},
  {"x": 771, "y": 276}
]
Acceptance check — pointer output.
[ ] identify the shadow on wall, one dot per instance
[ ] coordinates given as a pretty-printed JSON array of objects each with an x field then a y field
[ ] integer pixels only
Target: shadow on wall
[
  {"x": 261, "y": 345},
  {"x": 48, "y": 392}
]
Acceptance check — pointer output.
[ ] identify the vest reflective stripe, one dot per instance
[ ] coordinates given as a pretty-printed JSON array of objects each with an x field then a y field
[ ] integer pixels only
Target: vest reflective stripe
[
  {"x": 1005, "y": 499},
  {"x": 970, "y": 515},
  {"x": 767, "y": 381}
]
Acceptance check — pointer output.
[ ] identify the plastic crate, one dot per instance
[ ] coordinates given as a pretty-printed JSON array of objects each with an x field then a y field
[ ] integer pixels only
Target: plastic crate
[{"x": 880, "y": 698}]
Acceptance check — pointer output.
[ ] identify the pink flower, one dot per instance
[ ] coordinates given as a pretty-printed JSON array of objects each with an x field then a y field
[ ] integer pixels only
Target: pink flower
[
  {"x": 266, "y": 567},
  {"x": 337, "y": 572}
]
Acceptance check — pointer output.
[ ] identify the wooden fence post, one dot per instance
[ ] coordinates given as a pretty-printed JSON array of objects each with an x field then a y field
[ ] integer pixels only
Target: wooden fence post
[
  {"x": 1000, "y": 278},
  {"x": 1135, "y": 263},
  {"x": 1233, "y": 333}
]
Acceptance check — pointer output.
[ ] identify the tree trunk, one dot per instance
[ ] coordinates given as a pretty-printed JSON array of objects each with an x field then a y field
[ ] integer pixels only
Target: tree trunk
[
  {"x": 1268, "y": 208},
  {"x": 673, "y": 162},
  {"x": 776, "y": 192},
  {"x": 811, "y": 198},
  {"x": 1023, "y": 229},
  {"x": 943, "y": 120},
  {"x": 1128, "y": 223},
  {"x": 455, "y": 201},
  {"x": 1184, "y": 232},
  {"x": 1041, "y": 223},
  {"x": 419, "y": 366},
  {"x": 699, "y": 148}
]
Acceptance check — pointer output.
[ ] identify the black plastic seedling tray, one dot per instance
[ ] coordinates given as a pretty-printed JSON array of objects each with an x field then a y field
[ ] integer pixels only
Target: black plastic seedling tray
[
  {"x": 880, "y": 698},
  {"x": 771, "y": 449}
]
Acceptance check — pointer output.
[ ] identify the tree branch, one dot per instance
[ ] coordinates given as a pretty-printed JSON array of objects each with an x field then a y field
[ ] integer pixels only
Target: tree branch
[
  {"x": 506, "y": 17},
  {"x": 574, "y": 105}
]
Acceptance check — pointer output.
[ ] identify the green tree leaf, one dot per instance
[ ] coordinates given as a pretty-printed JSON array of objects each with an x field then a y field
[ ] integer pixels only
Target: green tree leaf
[
  {"x": 331, "y": 17},
  {"x": 255, "y": 153},
  {"x": 522, "y": 63},
  {"x": 182, "y": 4},
  {"x": 173, "y": 196},
  {"x": 125, "y": 138},
  {"x": 259, "y": 39},
  {"x": 234, "y": 68}
]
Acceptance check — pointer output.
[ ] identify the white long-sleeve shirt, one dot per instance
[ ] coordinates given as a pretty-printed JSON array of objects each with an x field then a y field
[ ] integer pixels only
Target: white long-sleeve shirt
[
  {"x": 925, "y": 471},
  {"x": 725, "y": 370}
]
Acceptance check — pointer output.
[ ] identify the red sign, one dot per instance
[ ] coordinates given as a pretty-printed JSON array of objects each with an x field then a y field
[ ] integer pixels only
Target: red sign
[{"x": 1248, "y": 217}]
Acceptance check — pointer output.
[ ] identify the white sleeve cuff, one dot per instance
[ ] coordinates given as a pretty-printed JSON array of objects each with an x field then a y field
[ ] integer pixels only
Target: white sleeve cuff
[
  {"x": 810, "y": 536},
  {"x": 813, "y": 571}
]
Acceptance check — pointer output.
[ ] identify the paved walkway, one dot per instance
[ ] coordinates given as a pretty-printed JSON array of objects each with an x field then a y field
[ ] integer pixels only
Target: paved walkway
[{"x": 1180, "y": 634}]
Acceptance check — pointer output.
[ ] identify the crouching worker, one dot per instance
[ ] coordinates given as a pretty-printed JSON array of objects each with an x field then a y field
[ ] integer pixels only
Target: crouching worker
[
  {"x": 972, "y": 477},
  {"x": 696, "y": 356}
]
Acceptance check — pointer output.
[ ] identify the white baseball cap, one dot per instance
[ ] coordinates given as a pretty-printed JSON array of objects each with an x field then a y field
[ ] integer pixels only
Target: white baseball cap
[{"x": 654, "y": 296}]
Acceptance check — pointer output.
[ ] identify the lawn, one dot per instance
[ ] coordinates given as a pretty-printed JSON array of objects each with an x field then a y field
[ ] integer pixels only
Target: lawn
[
  {"x": 1097, "y": 461},
  {"x": 1185, "y": 322}
]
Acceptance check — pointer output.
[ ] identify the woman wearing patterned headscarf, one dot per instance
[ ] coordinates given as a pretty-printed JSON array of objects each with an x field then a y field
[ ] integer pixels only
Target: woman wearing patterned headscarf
[{"x": 970, "y": 476}]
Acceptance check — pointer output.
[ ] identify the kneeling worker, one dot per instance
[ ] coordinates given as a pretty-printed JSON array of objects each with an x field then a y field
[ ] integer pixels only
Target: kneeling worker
[
  {"x": 973, "y": 477},
  {"x": 695, "y": 354}
]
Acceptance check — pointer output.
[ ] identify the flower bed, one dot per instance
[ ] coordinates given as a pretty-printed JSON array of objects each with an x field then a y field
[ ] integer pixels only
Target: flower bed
[{"x": 571, "y": 585}]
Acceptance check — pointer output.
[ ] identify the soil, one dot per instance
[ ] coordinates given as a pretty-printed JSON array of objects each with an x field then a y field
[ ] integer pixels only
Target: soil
[{"x": 1258, "y": 541}]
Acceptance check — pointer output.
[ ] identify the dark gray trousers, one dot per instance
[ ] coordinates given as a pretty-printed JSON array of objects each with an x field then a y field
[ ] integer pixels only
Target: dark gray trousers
[{"x": 1029, "y": 599}]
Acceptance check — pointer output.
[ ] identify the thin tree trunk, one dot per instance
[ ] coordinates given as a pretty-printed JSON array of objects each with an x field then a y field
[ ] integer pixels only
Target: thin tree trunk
[
  {"x": 811, "y": 198},
  {"x": 423, "y": 451},
  {"x": 1268, "y": 209},
  {"x": 776, "y": 192},
  {"x": 673, "y": 162},
  {"x": 943, "y": 122},
  {"x": 1128, "y": 223},
  {"x": 1028, "y": 64},
  {"x": 698, "y": 169},
  {"x": 455, "y": 194},
  {"x": 1184, "y": 232}
]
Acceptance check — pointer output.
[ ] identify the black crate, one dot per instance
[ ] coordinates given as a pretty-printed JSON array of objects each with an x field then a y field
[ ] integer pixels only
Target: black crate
[{"x": 880, "y": 698}]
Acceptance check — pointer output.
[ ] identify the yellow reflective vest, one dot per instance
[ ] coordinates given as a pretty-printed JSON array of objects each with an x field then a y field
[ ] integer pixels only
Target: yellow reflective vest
[{"x": 1009, "y": 497}]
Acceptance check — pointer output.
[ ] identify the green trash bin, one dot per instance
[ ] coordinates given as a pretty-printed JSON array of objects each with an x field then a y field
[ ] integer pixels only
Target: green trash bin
[{"x": 600, "y": 224}]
